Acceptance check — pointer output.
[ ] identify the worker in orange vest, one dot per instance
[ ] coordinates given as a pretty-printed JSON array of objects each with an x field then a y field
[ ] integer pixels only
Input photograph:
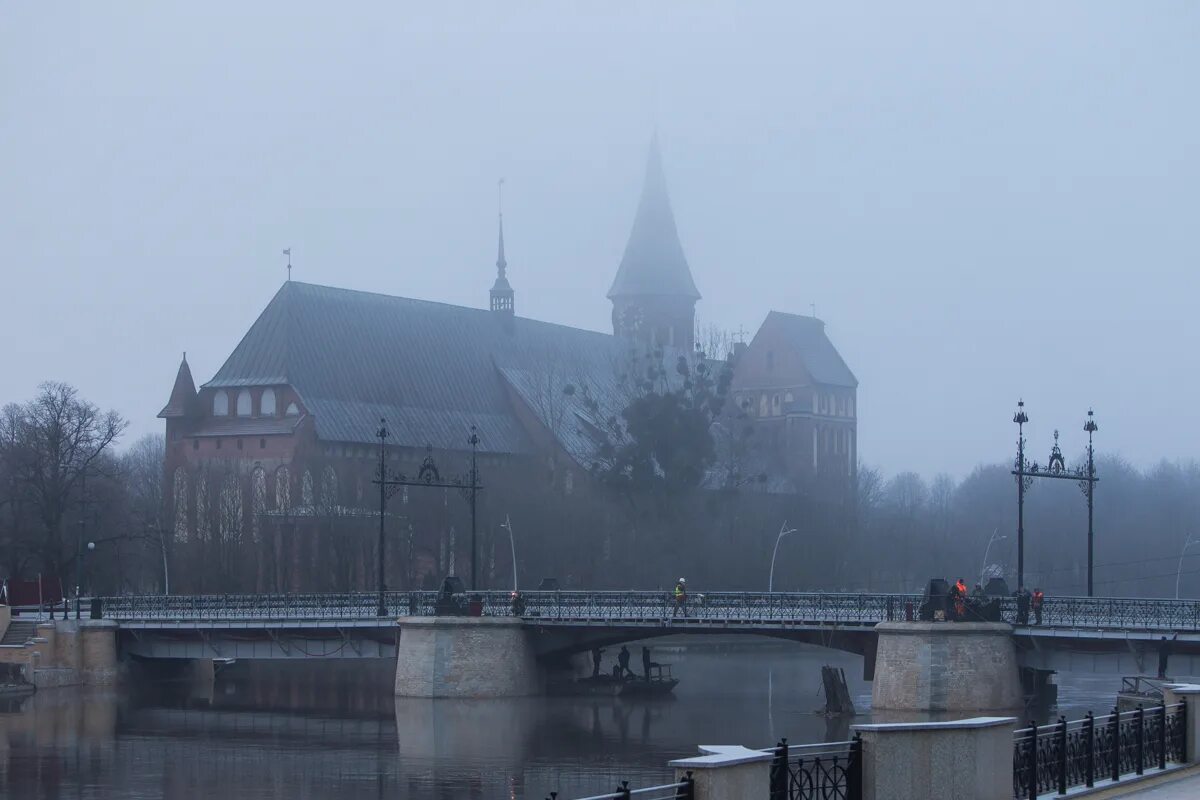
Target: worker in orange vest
[
  {"x": 1036, "y": 604},
  {"x": 960, "y": 600}
]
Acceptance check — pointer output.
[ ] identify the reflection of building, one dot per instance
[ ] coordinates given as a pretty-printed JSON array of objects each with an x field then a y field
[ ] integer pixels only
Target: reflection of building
[{"x": 284, "y": 434}]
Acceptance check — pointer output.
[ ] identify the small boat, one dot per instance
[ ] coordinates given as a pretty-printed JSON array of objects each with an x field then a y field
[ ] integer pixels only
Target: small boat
[{"x": 659, "y": 684}]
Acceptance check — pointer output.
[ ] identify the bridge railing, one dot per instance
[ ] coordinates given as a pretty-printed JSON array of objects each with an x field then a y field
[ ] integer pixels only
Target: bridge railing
[{"x": 743, "y": 608}]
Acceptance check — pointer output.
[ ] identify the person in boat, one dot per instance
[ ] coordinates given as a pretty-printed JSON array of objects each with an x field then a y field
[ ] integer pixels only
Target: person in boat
[
  {"x": 596, "y": 654},
  {"x": 646, "y": 662},
  {"x": 623, "y": 663}
]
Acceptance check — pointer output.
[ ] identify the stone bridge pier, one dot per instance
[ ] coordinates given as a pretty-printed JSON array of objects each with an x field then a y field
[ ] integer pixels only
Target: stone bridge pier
[
  {"x": 946, "y": 667},
  {"x": 465, "y": 657}
]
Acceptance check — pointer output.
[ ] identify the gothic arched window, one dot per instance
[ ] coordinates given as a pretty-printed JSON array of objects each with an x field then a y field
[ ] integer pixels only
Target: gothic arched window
[
  {"x": 230, "y": 509},
  {"x": 244, "y": 404},
  {"x": 292, "y": 410},
  {"x": 329, "y": 488},
  {"x": 258, "y": 499},
  {"x": 202, "y": 520},
  {"x": 266, "y": 404},
  {"x": 306, "y": 491},
  {"x": 220, "y": 404},
  {"x": 283, "y": 490},
  {"x": 181, "y": 504}
]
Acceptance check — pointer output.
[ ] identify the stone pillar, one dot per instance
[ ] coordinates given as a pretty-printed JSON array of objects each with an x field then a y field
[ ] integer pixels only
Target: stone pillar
[
  {"x": 465, "y": 657},
  {"x": 945, "y": 666},
  {"x": 1190, "y": 693},
  {"x": 98, "y": 651},
  {"x": 727, "y": 772},
  {"x": 915, "y": 761}
]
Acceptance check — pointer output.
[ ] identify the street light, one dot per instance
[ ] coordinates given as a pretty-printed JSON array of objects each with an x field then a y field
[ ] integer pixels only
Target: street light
[
  {"x": 986, "y": 550},
  {"x": 784, "y": 530},
  {"x": 1190, "y": 541},
  {"x": 507, "y": 525}
]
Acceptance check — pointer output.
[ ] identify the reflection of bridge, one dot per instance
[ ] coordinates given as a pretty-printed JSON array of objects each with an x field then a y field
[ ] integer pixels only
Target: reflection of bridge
[{"x": 1078, "y": 633}]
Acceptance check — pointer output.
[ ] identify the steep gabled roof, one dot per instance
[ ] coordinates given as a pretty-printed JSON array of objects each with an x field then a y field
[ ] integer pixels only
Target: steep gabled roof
[
  {"x": 183, "y": 393},
  {"x": 820, "y": 357},
  {"x": 431, "y": 369},
  {"x": 654, "y": 263}
]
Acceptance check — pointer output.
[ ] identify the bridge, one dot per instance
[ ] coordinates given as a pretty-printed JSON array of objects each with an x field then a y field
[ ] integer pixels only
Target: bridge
[{"x": 1077, "y": 633}]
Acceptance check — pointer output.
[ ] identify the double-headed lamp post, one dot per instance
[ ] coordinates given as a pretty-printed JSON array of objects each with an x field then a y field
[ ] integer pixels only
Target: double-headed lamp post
[
  {"x": 1178, "y": 572},
  {"x": 784, "y": 530}
]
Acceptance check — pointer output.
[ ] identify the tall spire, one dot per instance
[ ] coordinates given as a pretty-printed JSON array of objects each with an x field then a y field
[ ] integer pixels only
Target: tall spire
[
  {"x": 654, "y": 296},
  {"x": 654, "y": 263},
  {"x": 502, "y": 295},
  {"x": 183, "y": 393}
]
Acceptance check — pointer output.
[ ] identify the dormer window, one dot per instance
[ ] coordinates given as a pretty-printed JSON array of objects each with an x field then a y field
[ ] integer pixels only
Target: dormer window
[
  {"x": 292, "y": 410},
  {"x": 266, "y": 404},
  {"x": 220, "y": 405},
  {"x": 244, "y": 403}
]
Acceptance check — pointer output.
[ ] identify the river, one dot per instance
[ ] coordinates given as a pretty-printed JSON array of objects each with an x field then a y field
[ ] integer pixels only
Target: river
[{"x": 333, "y": 730}]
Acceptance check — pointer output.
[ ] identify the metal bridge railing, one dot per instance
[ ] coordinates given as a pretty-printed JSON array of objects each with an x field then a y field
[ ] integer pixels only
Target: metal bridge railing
[
  {"x": 1051, "y": 759},
  {"x": 769, "y": 609},
  {"x": 683, "y": 790}
]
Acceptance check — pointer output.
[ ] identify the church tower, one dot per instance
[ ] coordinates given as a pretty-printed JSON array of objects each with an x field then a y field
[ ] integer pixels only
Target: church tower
[
  {"x": 502, "y": 295},
  {"x": 654, "y": 296}
]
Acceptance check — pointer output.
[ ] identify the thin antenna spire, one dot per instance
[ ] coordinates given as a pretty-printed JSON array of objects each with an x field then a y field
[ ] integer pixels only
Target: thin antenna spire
[
  {"x": 288, "y": 252},
  {"x": 501, "y": 264}
]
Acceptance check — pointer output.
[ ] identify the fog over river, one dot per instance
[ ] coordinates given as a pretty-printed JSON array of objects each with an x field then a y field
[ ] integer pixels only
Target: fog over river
[{"x": 304, "y": 730}]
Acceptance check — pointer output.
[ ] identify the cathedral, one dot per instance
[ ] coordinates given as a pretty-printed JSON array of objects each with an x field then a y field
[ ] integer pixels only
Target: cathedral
[{"x": 287, "y": 430}]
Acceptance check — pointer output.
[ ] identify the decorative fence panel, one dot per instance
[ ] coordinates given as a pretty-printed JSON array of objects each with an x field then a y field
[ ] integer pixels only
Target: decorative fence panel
[
  {"x": 1050, "y": 759},
  {"x": 825, "y": 771}
]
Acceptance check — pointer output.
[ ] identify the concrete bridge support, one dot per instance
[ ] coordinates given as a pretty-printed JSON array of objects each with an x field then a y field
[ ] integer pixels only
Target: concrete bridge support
[
  {"x": 946, "y": 667},
  {"x": 465, "y": 657}
]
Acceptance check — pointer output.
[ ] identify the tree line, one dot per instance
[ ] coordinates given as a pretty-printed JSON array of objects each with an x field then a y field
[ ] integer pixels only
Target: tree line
[{"x": 670, "y": 496}]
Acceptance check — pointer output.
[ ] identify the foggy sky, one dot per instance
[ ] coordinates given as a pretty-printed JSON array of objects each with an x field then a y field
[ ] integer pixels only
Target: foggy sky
[{"x": 982, "y": 201}]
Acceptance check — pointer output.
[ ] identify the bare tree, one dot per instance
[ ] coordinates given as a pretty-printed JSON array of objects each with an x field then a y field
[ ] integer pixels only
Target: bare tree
[
  {"x": 142, "y": 471},
  {"x": 48, "y": 445}
]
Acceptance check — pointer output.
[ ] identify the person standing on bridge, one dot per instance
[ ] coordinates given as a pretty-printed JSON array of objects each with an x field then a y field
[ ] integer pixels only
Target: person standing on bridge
[
  {"x": 959, "y": 593},
  {"x": 1164, "y": 653},
  {"x": 1022, "y": 606},
  {"x": 680, "y": 598},
  {"x": 1036, "y": 604}
]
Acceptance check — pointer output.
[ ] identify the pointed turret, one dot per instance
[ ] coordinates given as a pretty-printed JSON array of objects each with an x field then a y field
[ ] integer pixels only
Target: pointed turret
[
  {"x": 183, "y": 394},
  {"x": 502, "y": 294},
  {"x": 653, "y": 295}
]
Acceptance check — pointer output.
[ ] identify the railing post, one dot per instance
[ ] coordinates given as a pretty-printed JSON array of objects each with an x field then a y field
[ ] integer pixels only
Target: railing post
[
  {"x": 687, "y": 788},
  {"x": 1162, "y": 734},
  {"x": 1033, "y": 753},
  {"x": 1062, "y": 755},
  {"x": 1141, "y": 739},
  {"x": 854, "y": 769},
  {"x": 1089, "y": 726},
  {"x": 1114, "y": 726},
  {"x": 779, "y": 772}
]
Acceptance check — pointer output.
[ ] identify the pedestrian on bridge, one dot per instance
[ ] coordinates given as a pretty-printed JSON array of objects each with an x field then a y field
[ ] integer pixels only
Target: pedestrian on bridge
[
  {"x": 680, "y": 598},
  {"x": 958, "y": 593},
  {"x": 1022, "y": 606},
  {"x": 1164, "y": 653},
  {"x": 1036, "y": 604}
]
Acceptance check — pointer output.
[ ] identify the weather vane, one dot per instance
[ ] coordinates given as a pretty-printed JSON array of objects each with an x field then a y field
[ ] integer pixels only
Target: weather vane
[{"x": 288, "y": 252}]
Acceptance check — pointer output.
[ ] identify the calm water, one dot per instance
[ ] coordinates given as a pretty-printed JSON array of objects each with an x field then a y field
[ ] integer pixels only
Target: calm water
[{"x": 334, "y": 730}]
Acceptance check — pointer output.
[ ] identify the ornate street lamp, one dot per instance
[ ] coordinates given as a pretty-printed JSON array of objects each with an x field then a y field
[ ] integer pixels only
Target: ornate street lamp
[{"x": 1056, "y": 468}]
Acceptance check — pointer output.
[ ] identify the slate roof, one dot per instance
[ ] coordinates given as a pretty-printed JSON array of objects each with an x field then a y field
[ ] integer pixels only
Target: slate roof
[
  {"x": 431, "y": 369},
  {"x": 183, "y": 393},
  {"x": 654, "y": 263},
  {"x": 821, "y": 358}
]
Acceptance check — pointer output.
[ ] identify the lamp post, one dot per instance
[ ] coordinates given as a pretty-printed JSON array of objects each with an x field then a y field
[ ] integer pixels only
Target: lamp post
[
  {"x": 507, "y": 525},
  {"x": 986, "y": 550},
  {"x": 1020, "y": 418},
  {"x": 784, "y": 530},
  {"x": 1090, "y": 487},
  {"x": 1178, "y": 572}
]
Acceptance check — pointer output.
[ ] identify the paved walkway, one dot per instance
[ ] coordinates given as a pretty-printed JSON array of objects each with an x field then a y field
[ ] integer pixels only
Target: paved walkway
[{"x": 1185, "y": 786}]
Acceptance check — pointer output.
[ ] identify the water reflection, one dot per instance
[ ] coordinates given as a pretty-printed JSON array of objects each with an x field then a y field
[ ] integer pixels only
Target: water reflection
[{"x": 317, "y": 731}]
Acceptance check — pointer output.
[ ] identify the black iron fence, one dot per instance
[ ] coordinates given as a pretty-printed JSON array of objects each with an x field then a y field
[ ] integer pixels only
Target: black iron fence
[
  {"x": 1050, "y": 759},
  {"x": 683, "y": 790},
  {"x": 824, "y": 771},
  {"x": 768, "y": 609}
]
